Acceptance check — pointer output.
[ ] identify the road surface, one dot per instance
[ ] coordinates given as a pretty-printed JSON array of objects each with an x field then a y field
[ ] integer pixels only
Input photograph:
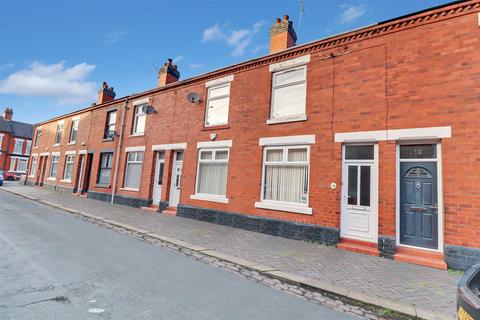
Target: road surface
[{"x": 54, "y": 266}]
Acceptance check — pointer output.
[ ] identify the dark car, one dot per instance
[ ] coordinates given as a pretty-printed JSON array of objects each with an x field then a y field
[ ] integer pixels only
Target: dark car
[
  {"x": 468, "y": 295},
  {"x": 1, "y": 178}
]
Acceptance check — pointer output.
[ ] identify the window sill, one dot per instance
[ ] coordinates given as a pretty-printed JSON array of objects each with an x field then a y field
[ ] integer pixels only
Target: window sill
[
  {"x": 130, "y": 189},
  {"x": 66, "y": 181},
  {"x": 302, "y": 117},
  {"x": 71, "y": 143},
  {"x": 284, "y": 207},
  {"x": 32, "y": 176},
  {"x": 99, "y": 185},
  {"x": 219, "y": 127},
  {"x": 56, "y": 145},
  {"x": 52, "y": 179},
  {"x": 137, "y": 134},
  {"x": 107, "y": 139},
  {"x": 208, "y": 197}
]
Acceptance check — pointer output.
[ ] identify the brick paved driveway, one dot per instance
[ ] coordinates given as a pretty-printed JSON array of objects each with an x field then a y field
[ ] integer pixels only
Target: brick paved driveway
[{"x": 421, "y": 286}]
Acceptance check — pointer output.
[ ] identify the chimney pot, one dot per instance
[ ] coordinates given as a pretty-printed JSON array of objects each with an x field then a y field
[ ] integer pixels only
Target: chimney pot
[
  {"x": 282, "y": 35},
  {"x": 8, "y": 114},
  {"x": 168, "y": 73},
  {"x": 106, "y": 94}
]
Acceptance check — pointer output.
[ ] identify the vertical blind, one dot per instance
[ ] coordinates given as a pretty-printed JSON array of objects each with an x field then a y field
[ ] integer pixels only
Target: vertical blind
[
  {"x": 286, "y": 174},
  {"x": 212, "y": 172},
  {"x": 134, "y": 170},
  {"x": 68, "y": 167},
  {"x": 54, "y": 166}
]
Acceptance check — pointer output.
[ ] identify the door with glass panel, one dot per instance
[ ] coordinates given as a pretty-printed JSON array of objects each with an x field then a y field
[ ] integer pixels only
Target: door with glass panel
[
  {"x": 158, "y": 180},
  {"x": 359, "y": 188},
  {"x": 176, "y": 179}
]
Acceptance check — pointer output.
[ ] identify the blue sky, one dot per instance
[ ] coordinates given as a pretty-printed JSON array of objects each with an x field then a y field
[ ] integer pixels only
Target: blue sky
[{"x": 55, "y": 54}]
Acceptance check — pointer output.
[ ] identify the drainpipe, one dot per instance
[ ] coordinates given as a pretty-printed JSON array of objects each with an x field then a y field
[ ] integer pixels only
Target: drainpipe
[{"x": 119, "y": 148}]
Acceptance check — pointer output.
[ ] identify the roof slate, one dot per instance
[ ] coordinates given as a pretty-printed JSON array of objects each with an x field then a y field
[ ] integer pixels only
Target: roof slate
[{"x": 16, "y": 129}]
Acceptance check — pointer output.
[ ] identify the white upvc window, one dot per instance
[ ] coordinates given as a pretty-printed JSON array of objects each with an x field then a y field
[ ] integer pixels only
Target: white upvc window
[
  {"x": 212, "y": 174},
  {"x": 13, "y": 164},
  {"x": 133, "y": 170},
  {"x": 105, "y": 169},
  {"x": 67, "y": 172},
  {"x": 54, "y": 167},
  {"x": 38, "y": 135},
  {"x": 1, "y": 141},
  {"x": 28, "y": 147},
  {"x": 58, "y": 134},
  {"x": 74, "y": 131},
  {"x": 289, "y": 91},
  {"x": 18, "y": 148},
  {"x": 285, "y": 178},
  {"x": 140, "y": 118},
  {"x": 218, "y": 100},
  {"x": 22, "y": 165},
  {"x": 33, "y": 166}
]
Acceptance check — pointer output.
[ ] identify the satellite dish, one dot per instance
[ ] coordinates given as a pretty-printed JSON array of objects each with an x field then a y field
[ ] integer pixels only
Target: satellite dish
[
  {"x": 193, "y": 97},
  {"x": 148, "y": 109}
]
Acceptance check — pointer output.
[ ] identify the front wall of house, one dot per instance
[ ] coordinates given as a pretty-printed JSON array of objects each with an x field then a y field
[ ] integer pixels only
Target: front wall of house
[{"x": 422, "y": 76}]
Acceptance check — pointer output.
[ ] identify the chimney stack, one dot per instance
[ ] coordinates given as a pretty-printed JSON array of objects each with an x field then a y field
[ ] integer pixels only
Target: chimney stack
[
  {"x": 105, "y": 94},
  {"x": 8, "y": 114},
  {"x": 168, "y": 73},
  {"x": 282, "y": 35}
]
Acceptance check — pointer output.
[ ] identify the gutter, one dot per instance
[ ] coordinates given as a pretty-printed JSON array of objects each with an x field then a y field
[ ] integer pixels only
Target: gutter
[{"x": 119, "y": 148}]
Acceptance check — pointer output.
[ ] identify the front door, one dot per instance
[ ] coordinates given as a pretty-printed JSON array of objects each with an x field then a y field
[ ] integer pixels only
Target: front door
[
  {"x": 81, "y": 168},
  {"x": 44, "y": 170},
  {"x": 158, "y": 179},
  {"x": 419, "y": 204},
  {"x": 176, "y": 179},
  {"x": 359, "y": 185},
  {"x": 86, "y": 183}
]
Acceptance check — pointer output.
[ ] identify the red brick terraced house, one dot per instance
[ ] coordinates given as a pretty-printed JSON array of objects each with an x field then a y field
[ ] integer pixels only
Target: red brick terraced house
[
  {"x": 368, "y": 140},
  {"x": 15, "y": 143}
]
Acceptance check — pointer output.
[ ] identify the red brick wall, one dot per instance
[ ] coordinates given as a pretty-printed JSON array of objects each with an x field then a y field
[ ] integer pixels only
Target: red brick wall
[{"x": 424, "y": 75}]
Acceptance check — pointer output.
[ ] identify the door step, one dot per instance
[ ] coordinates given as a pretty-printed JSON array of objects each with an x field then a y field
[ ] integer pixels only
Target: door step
[
  {"x": 152, "y": 208},
  {"x": 421, "y": 257},
  {"x": 170, "y": 210},
  {"x": 358, "y": 246}
]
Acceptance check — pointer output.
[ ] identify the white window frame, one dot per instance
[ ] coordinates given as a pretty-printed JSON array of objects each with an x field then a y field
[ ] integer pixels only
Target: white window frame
[
  {"x": 57, "y": 158},
  {"x": 38, "y": 135},
  {"x": 292, "y": 117},
  {"x": 137, "y": 114},
  {"x": 282, "y": 205},
  {"x": 100, "y": 168},
  {"x": 58, "y": 133},
  {"x": 19, "y": 142},
  {"x": 25, "y": 161},
  {"x": 33, "y": 166},
  {"x": 13, "y": 163},
  {"x": 28, "y": 147},
  {"x": 126, "y": 169},
  {"x": 209, "y": 99},
  {"x": 207, "y": 196},
  {"x": 69, "y": 160},
  {"x": 1, "y": 141},
  {"x": 74, "y": 127}
]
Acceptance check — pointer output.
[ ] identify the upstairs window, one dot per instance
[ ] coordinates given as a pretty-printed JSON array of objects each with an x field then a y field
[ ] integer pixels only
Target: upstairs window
[
  {"x": 38, "y": 135},
  {"x": 58, "y": 134},
  {"x": 1, "y": 141},
  {"x": 74, "y": 131},
  {"x": 110, "y": 125},
  {"x": 289, "y": 94},
  {"x": 217, "y": 105},
  {"x": 105, "y": 170},
  {"x": 28, "y": 147},
  {"x": 54, "y": 167},
  {"x": 140, "y": 118},
  {"x": 18, "y": 148}
]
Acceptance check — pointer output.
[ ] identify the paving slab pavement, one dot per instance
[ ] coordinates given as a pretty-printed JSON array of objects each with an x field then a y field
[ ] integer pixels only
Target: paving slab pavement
[{"x": 406, "y": 288}]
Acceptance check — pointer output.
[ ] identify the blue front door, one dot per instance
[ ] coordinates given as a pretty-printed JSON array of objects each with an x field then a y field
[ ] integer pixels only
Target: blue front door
[{"x": 419, "y": 204}]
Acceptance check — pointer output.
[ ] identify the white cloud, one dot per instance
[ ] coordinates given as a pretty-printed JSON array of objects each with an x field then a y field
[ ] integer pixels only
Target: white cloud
[
  {"x": 114, "y": 36},
  {"x": 196, "y": 65},
  {"x": 238, "y": 40},
  {"x": 177, "y": 59},
  {"x": 351, "y": 13},
  {"x": 212, "y": 34},
  {"x": 65, "y": 85}
]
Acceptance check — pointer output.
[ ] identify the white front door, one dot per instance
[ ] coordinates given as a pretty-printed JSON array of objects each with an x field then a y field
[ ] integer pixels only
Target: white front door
[
  {"x": 359, "y": 193},
  {"x": 158, "y": 179},
  {"x": 176, "y": 179}
]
